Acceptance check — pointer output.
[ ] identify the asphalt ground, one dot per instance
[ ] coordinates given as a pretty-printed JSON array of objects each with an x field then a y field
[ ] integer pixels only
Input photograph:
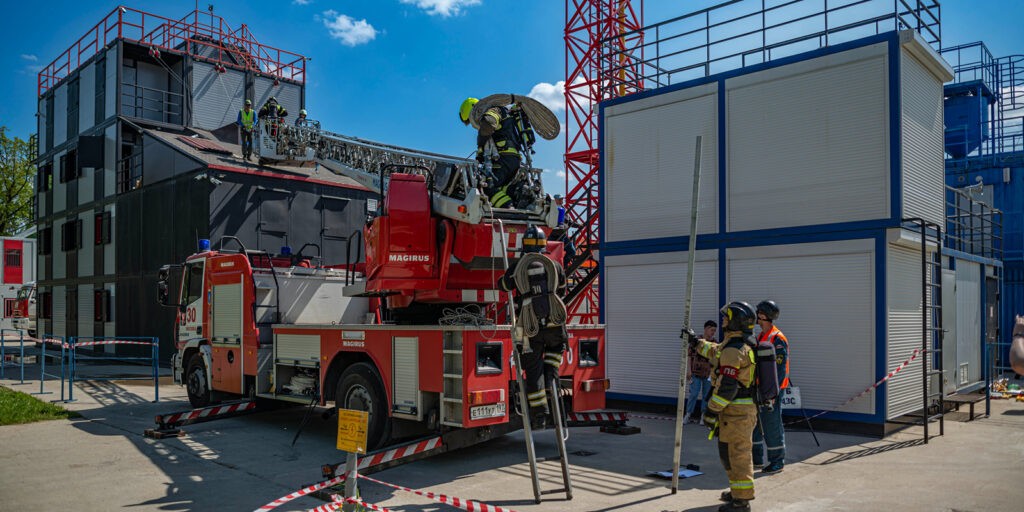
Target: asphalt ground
[{"x": 103, "y": 462}]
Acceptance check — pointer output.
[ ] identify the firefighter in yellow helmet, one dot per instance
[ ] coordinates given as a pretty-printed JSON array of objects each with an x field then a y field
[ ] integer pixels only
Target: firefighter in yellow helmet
[
  {"x": 731, "y": 409},
  {"x": 498, "y": 141}
]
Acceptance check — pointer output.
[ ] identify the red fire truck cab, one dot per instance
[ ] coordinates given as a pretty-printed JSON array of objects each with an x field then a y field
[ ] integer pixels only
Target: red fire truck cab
[{"x": 256, "y": 325}]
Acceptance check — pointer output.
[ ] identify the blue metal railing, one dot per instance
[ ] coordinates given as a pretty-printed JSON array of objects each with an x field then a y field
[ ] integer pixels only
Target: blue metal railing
[
  {"x": 78, "y": 357},
  {"x": 65, "y": 362},
  {"x": 740, "y": 33}
]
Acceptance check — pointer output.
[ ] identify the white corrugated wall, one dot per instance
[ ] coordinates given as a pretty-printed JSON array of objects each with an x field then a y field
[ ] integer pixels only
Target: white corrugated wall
[
  {"x": 86, "y": 313},
  {"x": 649, "y": 157},
  {"x": 904, "y": 329},
  {"x": 922, "y": 134},
  {"x": 217, "y": 97},
  {"x": 810, "y": 142},
  {"x": 59, "y": 311},
  {"x": 643, "y": 301},
  {"x": 287, "y": 95},
  {"x": 968, "y": 322},
  {"x": 826, "y": 296}
]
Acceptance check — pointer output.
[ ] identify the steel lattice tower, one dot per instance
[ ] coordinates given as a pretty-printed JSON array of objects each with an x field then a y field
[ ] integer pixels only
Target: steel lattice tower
[{"x": 602, "y": 43}]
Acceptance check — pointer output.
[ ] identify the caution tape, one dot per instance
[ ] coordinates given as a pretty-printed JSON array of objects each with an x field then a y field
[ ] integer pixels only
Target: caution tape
[
  {"x": 55, "y": 341},
  {"x": 870, "y": 388},
  {"x": 467, "y": 505},
  {"x": 113, "y": 342},
  {"x": 204, "y": 412},
  {"x": 300, "y": 493}
]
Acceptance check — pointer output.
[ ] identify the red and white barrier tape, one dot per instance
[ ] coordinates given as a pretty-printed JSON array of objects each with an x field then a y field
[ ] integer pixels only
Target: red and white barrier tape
[
  {"x": 398, "y": 453},
  {"x": 467, "y": 505},
  {"x": 598, "y": 416},
  {"x": 870, "y": 388},
  {"x": 203, "y": 413},
  {"x": 54, "y": 341},
  {"x": 113, "y": 342},
  {"x": 300, "y": 493}
]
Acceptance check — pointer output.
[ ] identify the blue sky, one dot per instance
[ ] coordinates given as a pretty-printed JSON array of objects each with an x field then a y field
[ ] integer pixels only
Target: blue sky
[{"x": 396, "y": 70}]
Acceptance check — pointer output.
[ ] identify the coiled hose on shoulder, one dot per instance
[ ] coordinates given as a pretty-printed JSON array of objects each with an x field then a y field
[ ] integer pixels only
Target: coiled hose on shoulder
[{"x": 527, "y": 317}]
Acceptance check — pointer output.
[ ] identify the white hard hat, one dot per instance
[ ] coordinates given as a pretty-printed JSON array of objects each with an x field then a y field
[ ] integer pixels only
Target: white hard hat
[{"x": 302, "y": 112}]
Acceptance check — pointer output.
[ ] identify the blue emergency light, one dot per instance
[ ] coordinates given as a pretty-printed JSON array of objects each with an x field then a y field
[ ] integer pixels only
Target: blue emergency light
[
  {"x": 204, "y": 244},
  {"x": 286, "y": 251}
]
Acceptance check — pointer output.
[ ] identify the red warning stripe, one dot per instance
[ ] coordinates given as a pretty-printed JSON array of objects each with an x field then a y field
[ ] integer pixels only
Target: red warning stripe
[
  {"x": 204, "y": 412},
  {"x": 398, "y": 453},
  {"x": 598, "y": 416},
  {"x": 113, "y": 342},
  {"x": 300, "y": 493}
]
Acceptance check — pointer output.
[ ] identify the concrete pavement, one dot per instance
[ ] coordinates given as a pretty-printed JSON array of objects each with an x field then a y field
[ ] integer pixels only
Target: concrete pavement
[{"x": 103, "y": 462}]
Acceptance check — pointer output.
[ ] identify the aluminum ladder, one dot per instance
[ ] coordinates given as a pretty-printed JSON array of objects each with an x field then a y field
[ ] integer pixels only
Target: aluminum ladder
[{"x": 554, "y": 399}]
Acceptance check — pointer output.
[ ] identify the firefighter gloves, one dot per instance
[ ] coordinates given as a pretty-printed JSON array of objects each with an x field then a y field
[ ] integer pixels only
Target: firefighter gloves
[{"x": 690, "y": 337}]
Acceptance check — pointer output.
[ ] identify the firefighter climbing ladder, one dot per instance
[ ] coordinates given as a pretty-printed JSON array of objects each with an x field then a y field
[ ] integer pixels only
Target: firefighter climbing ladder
[{"x": 554, "y": 398}]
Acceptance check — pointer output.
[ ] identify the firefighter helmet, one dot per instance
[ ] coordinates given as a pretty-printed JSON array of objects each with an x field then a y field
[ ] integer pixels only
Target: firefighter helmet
[
  {"x": 738, "y": 316},
  {"x": 769, "y": 309},
  {"x": 534, "y": 240},
  {"x": 466, "y": 108}
]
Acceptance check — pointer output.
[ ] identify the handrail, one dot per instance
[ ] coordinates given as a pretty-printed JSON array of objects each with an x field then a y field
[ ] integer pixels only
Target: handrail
[
  {"x": 666, "y": 52},
  {"x": 182, "y": 36}
]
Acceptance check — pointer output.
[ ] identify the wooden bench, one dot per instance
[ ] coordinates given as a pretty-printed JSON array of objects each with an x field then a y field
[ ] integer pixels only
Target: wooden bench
[{"x": 970, "y": 399}]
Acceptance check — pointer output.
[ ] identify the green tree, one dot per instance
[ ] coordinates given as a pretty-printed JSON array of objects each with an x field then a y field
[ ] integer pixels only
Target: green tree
[{"x": 17, "y": 174}]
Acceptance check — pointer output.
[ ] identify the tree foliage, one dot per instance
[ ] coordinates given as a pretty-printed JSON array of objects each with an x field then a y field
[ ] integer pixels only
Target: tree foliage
[{"x": 17, "y": 173}]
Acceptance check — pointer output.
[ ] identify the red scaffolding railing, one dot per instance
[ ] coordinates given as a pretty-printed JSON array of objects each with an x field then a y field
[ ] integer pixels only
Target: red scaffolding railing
[
  {"x": 589, "y": 24},
  {"x": 201, "y": 34}
]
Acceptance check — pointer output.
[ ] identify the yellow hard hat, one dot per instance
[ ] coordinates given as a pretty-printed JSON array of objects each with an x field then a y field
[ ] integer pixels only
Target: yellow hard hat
[{"x": 466, "y": 108}]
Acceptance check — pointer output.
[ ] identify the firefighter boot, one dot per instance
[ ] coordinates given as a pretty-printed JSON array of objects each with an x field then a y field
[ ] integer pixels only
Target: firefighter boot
[{"x": 735, "y": 506}]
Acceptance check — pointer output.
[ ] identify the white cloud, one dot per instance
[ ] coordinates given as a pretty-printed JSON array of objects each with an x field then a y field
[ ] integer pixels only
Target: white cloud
[
  {"x": 443, "y": 8},
  {"x": 29, "y": 57},
  {"x": 551, "y": 95},
  {"x": 560, "y": 174},
  {"x": 302, "y": 2},
  {"x": 347, "y": 30}
]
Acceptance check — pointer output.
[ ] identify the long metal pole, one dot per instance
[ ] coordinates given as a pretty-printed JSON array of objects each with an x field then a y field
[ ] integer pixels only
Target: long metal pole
[{"x": 684, "y": 359}]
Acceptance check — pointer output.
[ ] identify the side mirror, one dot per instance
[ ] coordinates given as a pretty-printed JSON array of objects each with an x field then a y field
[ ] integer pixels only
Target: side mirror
[{"x": 163, "y": 293}]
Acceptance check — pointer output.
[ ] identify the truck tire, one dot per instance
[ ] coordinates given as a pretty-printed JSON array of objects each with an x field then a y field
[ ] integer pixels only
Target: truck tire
[
  {"x": 361, "y": 389},
  {"x": 195, "y": 382}
]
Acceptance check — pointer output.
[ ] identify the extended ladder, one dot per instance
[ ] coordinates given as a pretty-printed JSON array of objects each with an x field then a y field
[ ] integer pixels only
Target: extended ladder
[{"x": 554, "y": 399}]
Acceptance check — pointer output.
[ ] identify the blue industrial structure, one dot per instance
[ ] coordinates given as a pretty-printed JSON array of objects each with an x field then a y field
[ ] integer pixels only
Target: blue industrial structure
[{"x": 984, "y": 138}]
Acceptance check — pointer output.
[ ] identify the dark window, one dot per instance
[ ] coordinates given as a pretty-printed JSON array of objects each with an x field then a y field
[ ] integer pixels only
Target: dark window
[
  {"x": 45, "y": 177},
  {"x": 71, "y": 235},
  {"x": 69, "y": 169},
  {"x": 101, "y": 228},
  {"x": 46, "y": 241},
  {"x": 12, "y": 258},
  {"x": 10, "y": 307},
  {"x": 193, "y": 288},
  {"x": 44, "y": 308},
  {"x": 101, "y": 306},
  {"x": 73, "y": 108}
]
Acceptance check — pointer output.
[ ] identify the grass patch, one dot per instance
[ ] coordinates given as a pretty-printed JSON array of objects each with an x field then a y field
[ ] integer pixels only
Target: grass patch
[{"x": 17, "y": 408}]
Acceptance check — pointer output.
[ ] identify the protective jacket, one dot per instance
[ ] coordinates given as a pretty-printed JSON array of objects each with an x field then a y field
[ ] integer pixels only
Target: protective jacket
[
  {"x": 539, "y": 295},
  {"x": 246, "y": 119},
  {"x": 273, "y": 110},
  {"x": 498, "y": 126},
  {"x": 776, "y": 338}
]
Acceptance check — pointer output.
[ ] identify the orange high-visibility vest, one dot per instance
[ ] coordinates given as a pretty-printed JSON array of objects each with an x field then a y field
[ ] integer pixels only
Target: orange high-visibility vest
[{"x": 771, "y": 336}]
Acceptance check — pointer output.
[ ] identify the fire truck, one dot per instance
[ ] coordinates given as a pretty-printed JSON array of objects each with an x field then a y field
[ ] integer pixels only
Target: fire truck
[
  {"x": 411, "y": 328},
  {"x": 25, "y": 309}
]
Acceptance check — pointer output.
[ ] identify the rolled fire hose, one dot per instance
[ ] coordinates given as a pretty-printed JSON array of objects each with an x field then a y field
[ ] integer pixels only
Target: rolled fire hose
[{"x": 521, "y": 275}]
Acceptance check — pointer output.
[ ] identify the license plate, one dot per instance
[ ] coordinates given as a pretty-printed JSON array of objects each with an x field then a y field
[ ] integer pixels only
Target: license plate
[{"x": 486, "y": 411}]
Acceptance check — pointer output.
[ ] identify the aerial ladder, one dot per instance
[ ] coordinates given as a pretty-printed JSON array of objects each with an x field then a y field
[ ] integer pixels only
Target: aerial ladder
[{"x": 455, "y": 193}]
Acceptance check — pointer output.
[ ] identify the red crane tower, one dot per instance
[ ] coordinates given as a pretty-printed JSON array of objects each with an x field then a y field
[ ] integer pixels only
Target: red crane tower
[{"x": 603, "y": 46}]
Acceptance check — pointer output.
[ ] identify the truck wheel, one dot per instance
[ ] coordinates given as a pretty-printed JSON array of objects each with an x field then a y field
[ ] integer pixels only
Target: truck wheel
[
  {"x": 195, "y": 382},
  {"x": 360, "y": 389}
]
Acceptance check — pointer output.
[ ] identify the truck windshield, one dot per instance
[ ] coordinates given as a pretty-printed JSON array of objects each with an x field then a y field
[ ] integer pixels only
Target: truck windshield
[
  {"x": 193, "y": 288},
  {"x": 25, "y": 293}
]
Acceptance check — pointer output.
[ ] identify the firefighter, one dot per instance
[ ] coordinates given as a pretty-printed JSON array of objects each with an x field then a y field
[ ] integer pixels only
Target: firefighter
[
  {"x": 301, "y": 120},
  {"x": 731, "y": 410},
  {"x": 496, "y": 141},
  {"x": 538, "y": 282},
  {"x": 272, "y": 109},
  {"x": 246, "y": 120},
  {"x": 769, "y": 432}
]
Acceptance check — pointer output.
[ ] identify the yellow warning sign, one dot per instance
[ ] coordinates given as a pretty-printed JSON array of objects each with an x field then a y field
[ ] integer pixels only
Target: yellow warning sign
[{"x": 352, "y": 430}]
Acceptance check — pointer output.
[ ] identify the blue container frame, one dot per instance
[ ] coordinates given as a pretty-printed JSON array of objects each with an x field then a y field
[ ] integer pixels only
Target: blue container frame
[
  {"x": 868, "y": 229},
  {"x": 154, "y": 359}
]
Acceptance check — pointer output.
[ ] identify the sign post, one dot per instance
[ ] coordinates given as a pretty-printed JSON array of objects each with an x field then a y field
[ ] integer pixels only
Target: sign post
[
  {"x": 352, "y": 427},
  {"x": 790, "y": 399}
]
